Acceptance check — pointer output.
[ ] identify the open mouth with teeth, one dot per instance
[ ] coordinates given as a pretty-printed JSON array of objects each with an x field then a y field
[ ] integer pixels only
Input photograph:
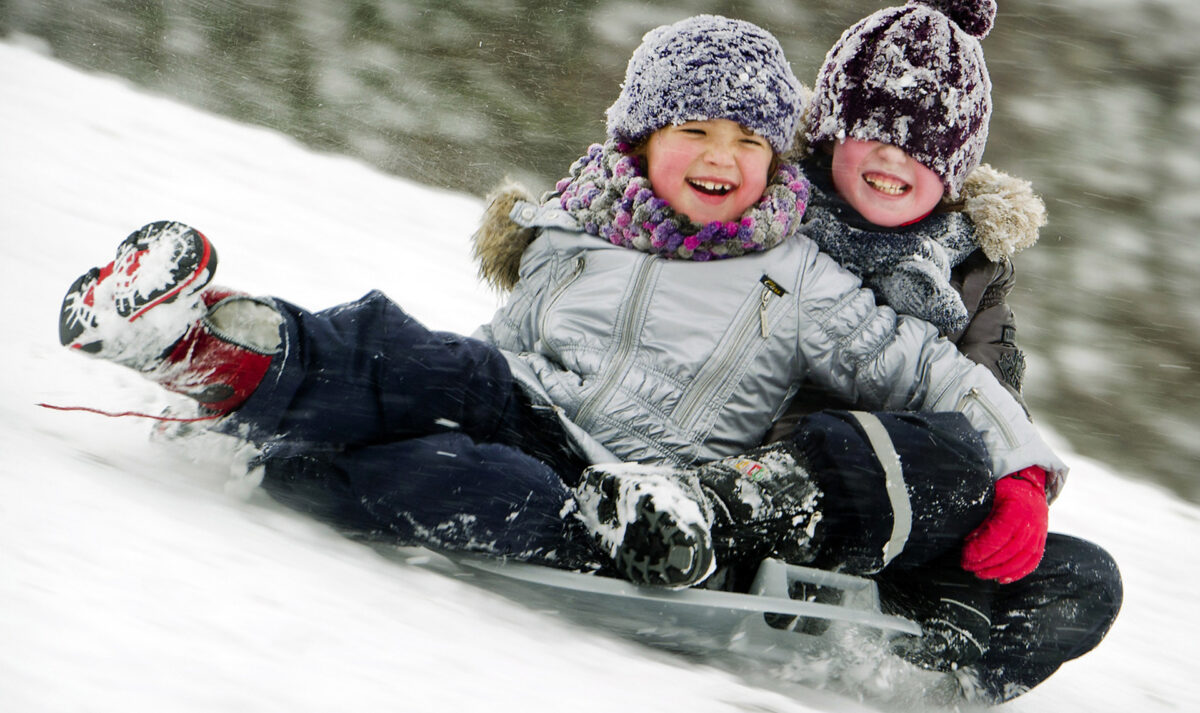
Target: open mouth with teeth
[
  {"x": 886, "y": 184},
  {"x": 711, "y": 188}
]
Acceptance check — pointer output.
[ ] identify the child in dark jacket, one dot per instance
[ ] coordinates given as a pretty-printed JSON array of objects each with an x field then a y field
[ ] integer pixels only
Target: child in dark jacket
[
  {"x": 1035, "y": 600},
  {"x": 892, "y": 146}
]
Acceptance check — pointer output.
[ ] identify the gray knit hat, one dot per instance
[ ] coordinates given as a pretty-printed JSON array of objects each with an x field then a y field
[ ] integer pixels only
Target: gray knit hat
[
  {"x": 912, "y": 76},
  {"x": 708, "y": 67}
]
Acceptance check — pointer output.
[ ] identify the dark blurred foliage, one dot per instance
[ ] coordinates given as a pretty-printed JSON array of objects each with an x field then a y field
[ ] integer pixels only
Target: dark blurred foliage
[{"x": 1097, "y": 102}]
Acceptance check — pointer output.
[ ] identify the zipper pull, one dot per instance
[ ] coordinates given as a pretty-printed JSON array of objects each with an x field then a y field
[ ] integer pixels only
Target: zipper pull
[
  {"x": 769, "y": 287},
  {"x": 762, "y": 313}
]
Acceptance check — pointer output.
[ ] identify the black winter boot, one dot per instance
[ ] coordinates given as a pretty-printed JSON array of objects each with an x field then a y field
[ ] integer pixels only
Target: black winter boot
[
  {"x": 671, "y": 526},
  {"x": 765, "y": 503},
  {"x": 653, "y": 522}
]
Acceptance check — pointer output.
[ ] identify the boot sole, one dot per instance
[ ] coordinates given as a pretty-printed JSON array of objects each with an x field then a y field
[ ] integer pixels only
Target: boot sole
[
  {"x": 195, "y": 261},
  {"x": 658, "y": 550}
]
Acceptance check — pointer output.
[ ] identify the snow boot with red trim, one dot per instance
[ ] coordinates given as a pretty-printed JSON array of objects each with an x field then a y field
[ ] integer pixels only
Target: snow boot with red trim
[
  {"x": 221, "y": 359},
  {"x": 150, "y": 310},
  {"x": 134, "y": 309}
]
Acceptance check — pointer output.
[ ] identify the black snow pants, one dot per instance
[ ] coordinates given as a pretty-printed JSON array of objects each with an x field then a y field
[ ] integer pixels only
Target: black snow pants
[
  {"x": 924, "y": 478},
  {"x": 387, "y": 430},
  {"x": 1058, "y": 613}
]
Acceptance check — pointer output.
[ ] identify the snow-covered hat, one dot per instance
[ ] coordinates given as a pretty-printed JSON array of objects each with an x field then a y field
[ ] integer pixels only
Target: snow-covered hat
[
  {"x": 708, "y": 67},
  {"x": 912, "y": 76}
]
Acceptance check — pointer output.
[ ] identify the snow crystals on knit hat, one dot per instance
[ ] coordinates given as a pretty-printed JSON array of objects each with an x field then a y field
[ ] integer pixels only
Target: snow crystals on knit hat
[
  {"x": 911, "y": 76},
  {"x": 708, "y": 67}
]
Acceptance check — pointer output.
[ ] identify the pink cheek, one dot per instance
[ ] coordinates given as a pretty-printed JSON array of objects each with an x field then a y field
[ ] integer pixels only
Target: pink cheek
[
  {"x": 666, "y": 172},
  {"x": 749, "y": 198}
]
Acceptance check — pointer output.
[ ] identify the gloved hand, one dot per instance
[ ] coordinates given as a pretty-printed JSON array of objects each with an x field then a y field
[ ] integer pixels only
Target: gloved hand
[{"x": 1010, "y": 542}]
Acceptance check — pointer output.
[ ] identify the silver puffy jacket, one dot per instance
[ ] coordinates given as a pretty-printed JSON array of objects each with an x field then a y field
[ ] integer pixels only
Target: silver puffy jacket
[{"x": 648, "y": 359}]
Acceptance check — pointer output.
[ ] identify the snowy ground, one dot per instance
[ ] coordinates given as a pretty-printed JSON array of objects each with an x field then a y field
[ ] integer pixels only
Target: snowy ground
[{"x": 137, "y": 576}]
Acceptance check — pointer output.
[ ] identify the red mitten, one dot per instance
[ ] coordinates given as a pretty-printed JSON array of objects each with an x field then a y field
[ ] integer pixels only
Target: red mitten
[{"x": 1009, "y": 544}]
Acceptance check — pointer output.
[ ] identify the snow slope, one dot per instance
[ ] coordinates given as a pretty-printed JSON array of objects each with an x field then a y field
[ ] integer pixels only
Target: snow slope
[{"x": 137, "y": 575}]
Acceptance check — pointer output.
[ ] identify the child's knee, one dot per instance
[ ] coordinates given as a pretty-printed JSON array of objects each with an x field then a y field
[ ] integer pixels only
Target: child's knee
[{"x": 1090, "y": 571}]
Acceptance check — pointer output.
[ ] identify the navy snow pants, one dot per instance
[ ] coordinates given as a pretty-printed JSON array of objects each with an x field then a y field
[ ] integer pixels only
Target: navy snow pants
[
  {"x": 380, "y": 426},
  {"x": 899, "y": 488},
  {"x": 1059, "y": 612},
  {"x": 385, "y": 429},
  {"x": 940, "y": 489}
]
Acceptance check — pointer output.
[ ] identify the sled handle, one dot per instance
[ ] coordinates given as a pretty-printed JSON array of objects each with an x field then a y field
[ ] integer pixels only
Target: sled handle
[{"x": 775, "y": 579}]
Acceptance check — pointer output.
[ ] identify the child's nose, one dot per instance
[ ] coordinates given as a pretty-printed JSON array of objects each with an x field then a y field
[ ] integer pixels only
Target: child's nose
[
  {"x": 720, "y": 153},
  {"x": 892, "y": 153}
]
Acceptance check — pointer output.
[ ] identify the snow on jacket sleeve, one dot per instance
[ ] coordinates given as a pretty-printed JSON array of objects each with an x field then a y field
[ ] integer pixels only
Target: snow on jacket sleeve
[{"x": 868, "y": 354}]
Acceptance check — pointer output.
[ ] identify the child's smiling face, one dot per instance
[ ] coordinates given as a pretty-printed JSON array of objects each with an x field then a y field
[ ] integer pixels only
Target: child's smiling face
[
  {"x": 711, "y": 170},
  {"x": 883, "y": 183}
]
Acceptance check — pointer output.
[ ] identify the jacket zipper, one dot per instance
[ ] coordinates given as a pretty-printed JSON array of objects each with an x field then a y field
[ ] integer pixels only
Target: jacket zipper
[
  {"x": 558, "y": 292},
  {"x": 974, "y": 394},
  {"x": 688, "y": 406},
  {"x": 624, "y": 353}
]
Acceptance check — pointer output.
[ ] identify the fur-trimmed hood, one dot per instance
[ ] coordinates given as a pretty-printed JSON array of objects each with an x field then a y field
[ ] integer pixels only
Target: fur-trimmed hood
[
  {"x": 1006, "y": 212},
  {"x": 1007, "y": 215},
  {"x": 500, "y": 241}
]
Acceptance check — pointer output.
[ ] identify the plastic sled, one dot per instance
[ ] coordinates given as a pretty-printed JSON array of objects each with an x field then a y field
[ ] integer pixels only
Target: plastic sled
[{"x": 788, "y": 610}]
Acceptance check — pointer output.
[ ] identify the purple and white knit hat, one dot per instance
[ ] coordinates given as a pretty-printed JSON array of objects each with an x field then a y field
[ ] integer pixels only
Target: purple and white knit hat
[
  {"x": 708, "y": 67},
  {"x": 912, "y": 76}
]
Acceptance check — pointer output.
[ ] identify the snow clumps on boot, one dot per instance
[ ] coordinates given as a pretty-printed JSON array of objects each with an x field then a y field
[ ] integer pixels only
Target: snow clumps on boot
[
  {"x": 651, "y": 520},
  {"x": 134, "y": 309}
]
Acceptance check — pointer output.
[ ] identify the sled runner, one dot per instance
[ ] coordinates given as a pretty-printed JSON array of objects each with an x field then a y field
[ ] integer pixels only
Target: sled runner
[{"x": 788, "y": 610}]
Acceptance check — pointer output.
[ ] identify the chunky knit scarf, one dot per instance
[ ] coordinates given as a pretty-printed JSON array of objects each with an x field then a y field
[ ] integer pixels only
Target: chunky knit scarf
[
  {"x": 607, "y": 193},
  {"x": 909, "y": 267}
]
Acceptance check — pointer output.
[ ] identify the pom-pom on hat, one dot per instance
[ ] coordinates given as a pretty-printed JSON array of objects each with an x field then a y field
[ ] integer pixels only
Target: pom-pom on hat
[
  {"x": 911, "y": 76},
  {"x": 708, "y": 67}
]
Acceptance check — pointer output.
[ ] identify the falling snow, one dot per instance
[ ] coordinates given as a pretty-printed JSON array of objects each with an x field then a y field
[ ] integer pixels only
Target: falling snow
[{"x": 139, "y": 576}]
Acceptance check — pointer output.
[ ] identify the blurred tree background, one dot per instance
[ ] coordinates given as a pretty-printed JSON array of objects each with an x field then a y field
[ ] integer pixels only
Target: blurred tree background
[{"x": 1097, "y": 102}]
